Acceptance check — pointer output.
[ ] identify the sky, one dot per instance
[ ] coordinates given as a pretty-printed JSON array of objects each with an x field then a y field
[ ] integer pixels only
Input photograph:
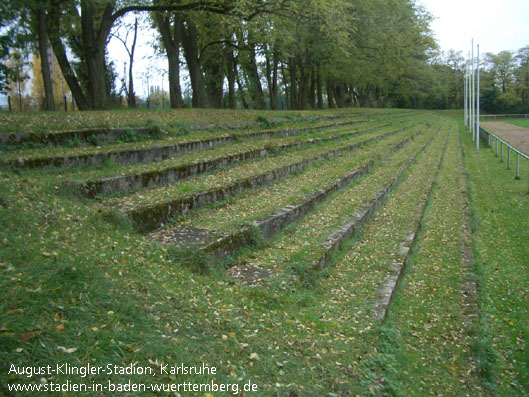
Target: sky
[
  {"x": 147, "y": 65},
  {"x": 495, "y": 25}
]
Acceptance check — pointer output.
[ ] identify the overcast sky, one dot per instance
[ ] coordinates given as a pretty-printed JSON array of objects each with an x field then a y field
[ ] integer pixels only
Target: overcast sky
[{"x": 495, "y": 25}]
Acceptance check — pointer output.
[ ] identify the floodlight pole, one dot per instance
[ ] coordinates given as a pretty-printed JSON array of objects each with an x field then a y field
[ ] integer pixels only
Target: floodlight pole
[
  {"x": 477, "y": 108},
  {"x": 472, "y": 93},
  {"x": 465, "y": 78},
  {"x": 469, "y": 96},
  {"x": 468, "y": 92}
]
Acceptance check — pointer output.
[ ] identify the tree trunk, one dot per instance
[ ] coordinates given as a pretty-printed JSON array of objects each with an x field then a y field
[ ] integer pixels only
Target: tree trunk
[
  {"x": 312, "y": 89},
  {"x": 272, "y": 63},
  {"x": 131, "y": 100},
  {"x": 319, "y": 89},
  {"x": 339, "y": 94},
  {"x": 66, "y": 68},
  {"x": 49, "y": 101},
  {"x": 305, "y": 70},
  {"x": 364, "y": 97},
  {"x": 240, "y": 90},
  {"x": 268, "y": 64},
  {"x": 190, "y": 44},
  {"x": 255, "y": 79},
  {"x": 231, "y": 71},
  {"x": 273, "y": 93},
  {"x": 330, "y": 100},
  {"x": 212, "y": 65},
  {"x": 293, "y": 96},
  {"x": 285, "y": 83},
  {"x": 94, "y": 45},
  {"x": 171, "y": 43}
]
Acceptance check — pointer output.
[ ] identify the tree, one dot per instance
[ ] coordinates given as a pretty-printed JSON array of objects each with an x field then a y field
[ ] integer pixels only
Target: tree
[
  {"x": 521, "y": 75},
  {"x": 95, "y": 22},
  {"x": 131, "y": 95},
  {"x": 16, "y": 84},
  {"x": 502, "y": 67},
  {"x": 60, "y": 88},
  {"x": 42, "y": 34},
  {"x": 170, "y": 27}
]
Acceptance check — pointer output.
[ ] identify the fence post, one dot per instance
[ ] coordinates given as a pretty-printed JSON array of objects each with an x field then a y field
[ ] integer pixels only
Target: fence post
[
  {"x": 517, "y": 166},
  {"x": 508, "y": 158},
  {"x": 501, "y": 145}
]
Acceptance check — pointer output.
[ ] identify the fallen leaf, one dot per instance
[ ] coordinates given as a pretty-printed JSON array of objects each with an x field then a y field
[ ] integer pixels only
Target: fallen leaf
[{"x": 66, "y": 350}]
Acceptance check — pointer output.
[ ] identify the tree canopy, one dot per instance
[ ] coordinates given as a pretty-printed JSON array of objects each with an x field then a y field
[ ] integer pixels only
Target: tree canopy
[{"x": 253, "y": 53}]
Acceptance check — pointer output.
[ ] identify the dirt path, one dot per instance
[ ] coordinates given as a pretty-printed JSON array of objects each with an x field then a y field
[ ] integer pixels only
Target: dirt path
[{"x": 516, "y": 136}]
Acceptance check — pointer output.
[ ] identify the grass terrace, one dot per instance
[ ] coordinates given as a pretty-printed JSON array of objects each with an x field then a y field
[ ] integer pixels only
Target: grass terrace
[{"x": 82, "y": 285}]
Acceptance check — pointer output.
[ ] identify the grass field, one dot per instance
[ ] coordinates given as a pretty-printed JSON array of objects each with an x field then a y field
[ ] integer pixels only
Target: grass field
[
  {"x": 82, "y": 286},
  {"x": 519, "y": 122}
]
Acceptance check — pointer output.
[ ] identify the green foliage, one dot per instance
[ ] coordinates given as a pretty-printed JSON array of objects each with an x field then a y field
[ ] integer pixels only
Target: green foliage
[
  {"x": 261, "y": 119},
  {"x": 178, "y": 128},
  {"x": 93, "y": 140},
  {"x": 266, "y": 123},
  {"x": 76, "y": 141},
  {"x": 131, "y": 136},
  {"x": 155, "y": 129}
]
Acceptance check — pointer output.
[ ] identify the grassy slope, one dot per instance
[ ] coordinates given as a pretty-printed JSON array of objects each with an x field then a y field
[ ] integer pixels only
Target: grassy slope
[
  {"x": 256, "y": 203},
  {"x": 500, "y": 209},
  {"x": 69, "y": 278},
  {"x": 60, "y": 121},
  {"x": 431, "y": 343}
]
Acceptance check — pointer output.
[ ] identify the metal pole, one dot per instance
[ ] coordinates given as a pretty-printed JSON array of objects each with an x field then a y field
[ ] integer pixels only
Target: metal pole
[
  {"x": 517, "y": 166},
  {"x": 497, "y": 147},
  {"x": 465, "y": 80},
  {"x": 469, "y": 97},
  {"x": 477, "y": 108},
  {"x": 508, "y": 158},
  {"x": 501, "y": 145},
  {"x": 472, "y": 92}
]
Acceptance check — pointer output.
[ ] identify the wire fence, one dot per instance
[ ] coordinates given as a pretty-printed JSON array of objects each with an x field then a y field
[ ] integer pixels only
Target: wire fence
[{"x": 499, "y": 147}]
